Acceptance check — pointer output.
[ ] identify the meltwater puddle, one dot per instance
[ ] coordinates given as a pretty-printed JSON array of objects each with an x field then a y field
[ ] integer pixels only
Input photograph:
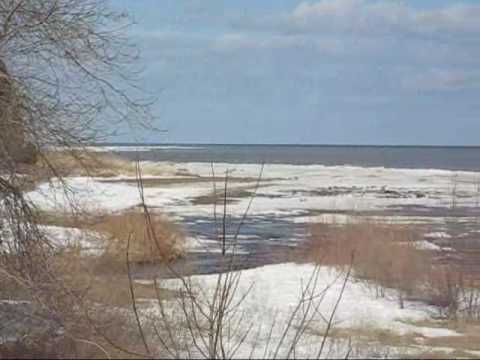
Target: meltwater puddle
[{"x": 262, "y": 240}]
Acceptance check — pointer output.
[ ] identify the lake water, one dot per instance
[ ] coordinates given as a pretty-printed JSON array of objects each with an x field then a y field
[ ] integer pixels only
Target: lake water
[{"x": 406, "y": 157}]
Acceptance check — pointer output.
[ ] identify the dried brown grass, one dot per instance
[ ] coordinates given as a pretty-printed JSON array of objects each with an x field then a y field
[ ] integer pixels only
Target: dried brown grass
[
  {"x": 413, "y": 344},
  {"x": 167, "y": 244},
  {"x": 90, "y": 163},
  {"x": 99, "y": 281},
  {"x": 384, "y": 254},
  {"x": 102, "y": 277},
  {"x": 85, "y": 163},
  {"x": 93, "y": 316},
  {"x": 101, "y": 285},
  {"x": 118, "y": 228}
]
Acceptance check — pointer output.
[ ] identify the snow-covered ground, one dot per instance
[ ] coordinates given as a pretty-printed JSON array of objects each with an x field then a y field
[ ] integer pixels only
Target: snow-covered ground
[
  {"x": 269, "y": 295},
  {"x": 277, "y": 289}
]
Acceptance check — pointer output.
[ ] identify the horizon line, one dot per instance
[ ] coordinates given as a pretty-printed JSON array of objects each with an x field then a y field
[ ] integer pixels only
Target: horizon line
[{"x": 128, "y": 143}]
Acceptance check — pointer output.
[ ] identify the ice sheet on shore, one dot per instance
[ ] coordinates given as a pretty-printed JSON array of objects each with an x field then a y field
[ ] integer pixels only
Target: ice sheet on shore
[
  {"x": 94, "y": 195},
  {"x": 293, "y": 189}
]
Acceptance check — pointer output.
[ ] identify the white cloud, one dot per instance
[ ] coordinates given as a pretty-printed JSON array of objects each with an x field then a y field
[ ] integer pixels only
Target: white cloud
[
  {"x": 341, "y": 14},
  {"x": 254, "y": 41},
  {"x": 382, "y": 16},
  {"x": 443, "y": 80},
  {"x": 461, "y": 18},
  {"x": 234, "y": 41},
  {"x": 169, "y": 39}
]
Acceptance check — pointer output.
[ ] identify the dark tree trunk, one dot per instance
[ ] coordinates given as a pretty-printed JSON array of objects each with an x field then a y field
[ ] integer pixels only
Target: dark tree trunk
[{"x": 13, "y": 144}]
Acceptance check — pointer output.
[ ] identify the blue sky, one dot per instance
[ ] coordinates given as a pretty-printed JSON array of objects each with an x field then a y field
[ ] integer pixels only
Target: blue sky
[{"x": 321, "y": 72}]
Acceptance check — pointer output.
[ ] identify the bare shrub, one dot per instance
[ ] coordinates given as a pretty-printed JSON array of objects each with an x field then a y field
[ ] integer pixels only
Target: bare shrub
[
  {"x": 64, "y": 65},
  {"x": 454, "y": 291},
  {"x": 102, "y": 292},
  {"x": 443, "y": 287}
]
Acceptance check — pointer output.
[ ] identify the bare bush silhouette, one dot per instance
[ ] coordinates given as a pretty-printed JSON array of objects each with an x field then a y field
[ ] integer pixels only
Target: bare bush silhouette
[{"x": 66, "y": 79}]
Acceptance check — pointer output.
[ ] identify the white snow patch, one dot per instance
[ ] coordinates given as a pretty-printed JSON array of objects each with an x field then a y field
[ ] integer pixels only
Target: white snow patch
[
  {"x": 89, "y": 242},
  {"x": 438, "y": 235},
  {"x": 434, "y": 332},
  {"x": 328, "y": 218},
  {"x": 427, "y": 245},
  {"x": 85, "y": 192},
  {"x": 271, "y": 293},
  {"x": 14, "y": 302},
  {"x": 276, "y": 288}
]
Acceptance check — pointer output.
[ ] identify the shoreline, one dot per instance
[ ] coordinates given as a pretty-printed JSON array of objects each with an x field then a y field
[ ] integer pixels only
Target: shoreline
[{"x": 288, "y": 200}]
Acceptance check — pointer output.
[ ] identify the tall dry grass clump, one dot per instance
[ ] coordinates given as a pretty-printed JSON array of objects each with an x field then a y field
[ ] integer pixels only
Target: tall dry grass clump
[
  {"x": 84, "y": 163},
  {"x": 112, "y": 234},
  {"x": 108, "y": 235},
  {"x": 131, "y": 230},
  {"x": 387, "y": 257},
  {"x": 384, "y": 255}
]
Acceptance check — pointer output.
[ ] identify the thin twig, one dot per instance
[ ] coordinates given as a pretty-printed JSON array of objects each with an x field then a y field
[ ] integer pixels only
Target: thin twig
[
  {"x": 332, "y": 315},
  {"x": 132, "y": 294}
]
